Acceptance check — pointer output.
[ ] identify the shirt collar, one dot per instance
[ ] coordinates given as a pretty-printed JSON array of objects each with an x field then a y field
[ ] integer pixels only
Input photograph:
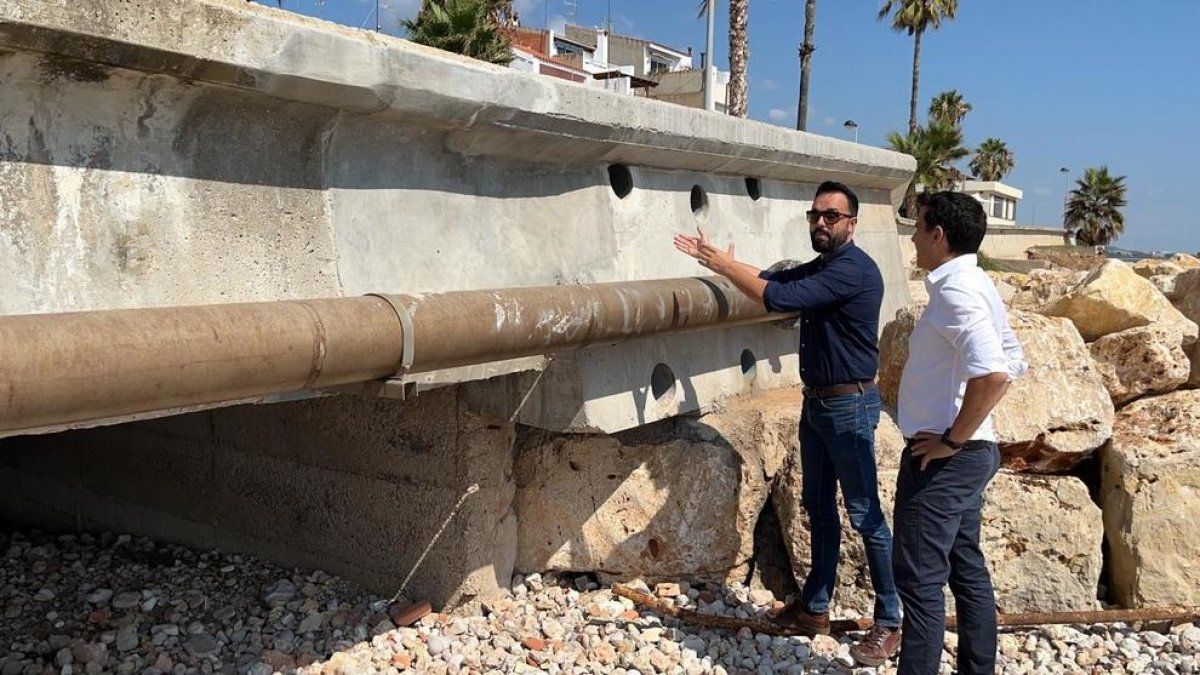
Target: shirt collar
[
  {"x": 835, "y": 254},
  {"x": 955, "y": 264}
]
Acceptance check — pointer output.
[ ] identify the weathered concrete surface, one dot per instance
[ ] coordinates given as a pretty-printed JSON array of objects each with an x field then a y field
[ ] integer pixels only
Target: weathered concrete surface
[
  {"x": 232, "y": 152},
  {"x": 1041, "y": 537},
  {"x": 357, "y": 487},
  {"x": 678, "y": 499},
  {"x": 1039, "y": 429},
  {"x": 1150, "y": 483}
]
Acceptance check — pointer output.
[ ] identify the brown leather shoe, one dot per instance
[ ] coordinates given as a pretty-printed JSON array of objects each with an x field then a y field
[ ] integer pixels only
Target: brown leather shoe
[
  {"x": 796, "y": 618},
  {"x": 878, "y": 645}
]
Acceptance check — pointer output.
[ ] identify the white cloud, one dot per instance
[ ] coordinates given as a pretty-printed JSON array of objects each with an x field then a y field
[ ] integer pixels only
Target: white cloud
[
  {"x": 778, "y": 114},
  {"x": 770, "y": 85},
  {"x": 830, "y": 121}
]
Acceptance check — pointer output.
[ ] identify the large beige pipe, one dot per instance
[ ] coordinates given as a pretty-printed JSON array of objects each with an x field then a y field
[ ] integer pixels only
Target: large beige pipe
[{"x": 73, "y": 368}]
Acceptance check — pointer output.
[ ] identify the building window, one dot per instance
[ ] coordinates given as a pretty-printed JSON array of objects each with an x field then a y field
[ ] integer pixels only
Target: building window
[
  {"x": 564, "y": 47},
  {"x": 658, "y": 65},
  {"x": 1003, "y": 208}
]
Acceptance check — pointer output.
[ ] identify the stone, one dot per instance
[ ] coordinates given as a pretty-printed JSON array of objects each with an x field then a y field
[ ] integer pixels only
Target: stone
[
  {"x": 127, "y": 600},
  {"x": 1152, "y": 267},
  {"x": 1140, "y": 361},
  {"x": 1150, "y": 476},
  {"x": 1185, "y": 261},
  {"x": 1042, "y": 287},
  {"x": 1114, "y": 298},
  {"x": 1186, "y": 299},
  {"x": 658, "y": 502},
  {"x": 127, "y": 638},
  {"x": 202, "y": 645},
  {"x": 1039, "y": 429},
  {"x": 1041, "y": 536}
]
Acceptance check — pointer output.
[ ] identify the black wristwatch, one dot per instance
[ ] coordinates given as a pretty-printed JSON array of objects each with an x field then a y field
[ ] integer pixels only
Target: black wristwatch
[{"x": 949, "y": 443}]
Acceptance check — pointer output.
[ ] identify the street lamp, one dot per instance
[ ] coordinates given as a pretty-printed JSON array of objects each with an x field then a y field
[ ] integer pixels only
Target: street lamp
[
  {"x": 1066, "y": 189},
  {"x": 851, "y": 124}
]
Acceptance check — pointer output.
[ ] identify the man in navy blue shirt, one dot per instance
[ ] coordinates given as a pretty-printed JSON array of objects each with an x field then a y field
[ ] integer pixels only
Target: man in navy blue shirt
[{"x": 838, "y": 294}]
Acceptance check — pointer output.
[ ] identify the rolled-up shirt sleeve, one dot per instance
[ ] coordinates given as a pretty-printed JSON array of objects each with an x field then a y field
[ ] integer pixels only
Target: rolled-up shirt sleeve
[
  {"x": 969, "y": 328},
  {"x": 1017, "y": 366}
]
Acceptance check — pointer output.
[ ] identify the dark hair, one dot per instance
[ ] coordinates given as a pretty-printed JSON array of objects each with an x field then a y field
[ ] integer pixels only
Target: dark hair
[
  {"x": 959, "y": 215},
  {"x": 831, "y": 186}
]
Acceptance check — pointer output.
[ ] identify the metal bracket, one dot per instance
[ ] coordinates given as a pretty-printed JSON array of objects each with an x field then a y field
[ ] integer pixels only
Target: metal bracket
[{"x": 397, "y": 386}]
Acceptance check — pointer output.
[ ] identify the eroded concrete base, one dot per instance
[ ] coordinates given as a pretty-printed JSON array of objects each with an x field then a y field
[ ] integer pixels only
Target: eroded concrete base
[{"x": 353, "y": 486}]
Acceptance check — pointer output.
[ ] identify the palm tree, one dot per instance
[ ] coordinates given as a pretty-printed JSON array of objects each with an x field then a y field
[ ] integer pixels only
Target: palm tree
[
  {"x": 915, "y": 17},
  {"x": 806, "y": 51},
  {"x": 1094, "y": 208},
  {"x": 468, "y": 27},
  {"x": 935, "y": 147},
  {"x": 993, "y": 160},
  {"x": 739, "y": 54},
  {"x": 948, "y": 107}
]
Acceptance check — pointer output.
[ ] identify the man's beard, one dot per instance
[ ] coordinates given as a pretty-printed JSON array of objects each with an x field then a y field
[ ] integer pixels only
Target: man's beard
[{"x": 832, "y": 243}]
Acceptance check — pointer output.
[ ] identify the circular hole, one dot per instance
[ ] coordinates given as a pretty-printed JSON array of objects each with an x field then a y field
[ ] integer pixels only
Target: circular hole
[
  {"x": 754, "y": 188},
  {"x": 662, "y": 383},
  {"x": 621, "y": 180},
  {"x": 749, "y": 365},
  {"x": 699, "y": 202}
]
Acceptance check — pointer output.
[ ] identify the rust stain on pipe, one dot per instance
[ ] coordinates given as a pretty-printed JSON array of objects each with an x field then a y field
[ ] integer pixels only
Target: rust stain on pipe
[{"x": 61, "y": 369}]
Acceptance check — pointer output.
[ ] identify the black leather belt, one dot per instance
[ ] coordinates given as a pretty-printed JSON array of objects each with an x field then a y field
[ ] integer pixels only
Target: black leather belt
[
  {"x": 969, "y": 445},
  {"x": 832, "y": 390}
]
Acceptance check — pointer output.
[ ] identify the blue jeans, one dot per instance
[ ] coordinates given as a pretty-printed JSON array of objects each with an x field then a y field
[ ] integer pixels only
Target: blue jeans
[
  {"x": 937, "y": 542},
  {"x": 837, "y": 445}
]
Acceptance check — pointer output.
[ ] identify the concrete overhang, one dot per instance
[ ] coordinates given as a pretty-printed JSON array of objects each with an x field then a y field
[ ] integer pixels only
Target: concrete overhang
[{"x": 484, "y": 109}]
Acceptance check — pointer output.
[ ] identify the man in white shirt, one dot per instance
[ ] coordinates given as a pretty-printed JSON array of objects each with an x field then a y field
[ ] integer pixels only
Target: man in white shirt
[{"x": 962, "y": 356}]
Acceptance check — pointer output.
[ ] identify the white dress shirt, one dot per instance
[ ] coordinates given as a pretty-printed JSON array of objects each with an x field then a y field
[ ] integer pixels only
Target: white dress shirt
[{"x": 962, "y": 334}]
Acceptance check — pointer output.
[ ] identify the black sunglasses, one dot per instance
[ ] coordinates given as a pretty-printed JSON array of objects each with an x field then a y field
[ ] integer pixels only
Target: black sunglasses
[{"x": 831, "y": 217}]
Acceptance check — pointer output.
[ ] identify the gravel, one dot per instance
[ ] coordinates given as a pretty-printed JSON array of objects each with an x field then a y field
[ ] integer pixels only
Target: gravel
[{"x": 115, "y": 604}]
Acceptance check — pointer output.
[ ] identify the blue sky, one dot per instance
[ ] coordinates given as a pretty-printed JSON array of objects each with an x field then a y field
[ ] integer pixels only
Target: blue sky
[{"x": 1073, "y": 83}]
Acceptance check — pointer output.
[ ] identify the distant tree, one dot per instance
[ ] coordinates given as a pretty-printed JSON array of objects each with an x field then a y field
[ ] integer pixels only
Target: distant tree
[
  {"x": 1094, "y": 207},
  {"x": 739, "y": 54},
  {"x": 915, "y": 17},
  {"x": 935, "y": 147},
  {"x": 467, "y": 27},
  {"x": 806, "y": 52},
  {"x": 949, "y": 108},
  {"x": 993, "y": 160}
]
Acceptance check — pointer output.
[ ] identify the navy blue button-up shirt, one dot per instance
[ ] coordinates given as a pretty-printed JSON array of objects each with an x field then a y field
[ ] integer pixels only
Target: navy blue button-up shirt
[{"x": 839, "y": 297}]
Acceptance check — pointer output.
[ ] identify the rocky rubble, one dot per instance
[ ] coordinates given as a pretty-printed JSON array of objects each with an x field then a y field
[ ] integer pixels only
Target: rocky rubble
[{"x": 112, "y": 604}]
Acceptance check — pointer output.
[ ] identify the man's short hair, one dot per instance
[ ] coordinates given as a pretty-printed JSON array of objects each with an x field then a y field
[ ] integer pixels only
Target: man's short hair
[
  {"x": 959, "y": 215},
  {"x": 831, "y": 186}
]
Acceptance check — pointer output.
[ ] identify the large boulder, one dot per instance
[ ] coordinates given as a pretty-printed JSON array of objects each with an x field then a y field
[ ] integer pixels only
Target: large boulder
[
  {"x": 1051, "y": 418},
  {"x": 1042, "y": 287},
  {"x": 1153, "y": 267},
  {"x": 1141, "y": 361},
  {"x": 677, "y": 499},
  {"x": 1041, "y": 536},
  {"x": 1150, "y": 479},
  {"x": 1114, "y": 298},
  {"x": 1186, "y": 298},
  {"x": 1187, "y": 262}
]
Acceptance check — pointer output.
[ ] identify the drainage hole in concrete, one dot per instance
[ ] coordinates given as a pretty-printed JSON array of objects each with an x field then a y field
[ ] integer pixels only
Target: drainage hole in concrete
[
  {"x": 749, "y": 365},
  {"x": 699, "y": 203},
  {"x": 621, "y": 180},
  {"x": 662, "y": 383},
  {"x": 754, "y": 188}
]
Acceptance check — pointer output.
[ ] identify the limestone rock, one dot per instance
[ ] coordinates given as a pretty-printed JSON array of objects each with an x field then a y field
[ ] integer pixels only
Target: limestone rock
[
  {"x": 667, "y": 501},
  {"x": 889, "y": 442},
  {"x": 1041, "y": 536},
  {"x": 1165, "y": 283},
  {"x": 1138, "y": 361},
  {"x": 1150, "y": 476},
  {"x": 1040, "y": 427},
  {"x": 893, "y": 351},
  {"x": 1186, "y": 298},
  {"x": 1114, "y": 298},
  {"x": 1152, "y": 267},
  {"x": 1187, "y": 262},
  {"x": 1042, "y": 287}
]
